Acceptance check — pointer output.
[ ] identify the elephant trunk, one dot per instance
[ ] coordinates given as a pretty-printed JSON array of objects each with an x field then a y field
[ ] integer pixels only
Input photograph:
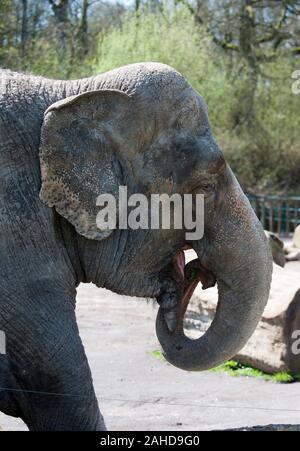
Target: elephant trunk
[{"x": 239, "y": 257}]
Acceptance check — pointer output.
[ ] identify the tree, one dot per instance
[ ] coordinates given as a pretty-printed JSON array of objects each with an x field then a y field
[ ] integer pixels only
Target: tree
[
  {"x": 255, "y": 32},
  {"x": 61, "y": 14},
  {"x": 24, "y": 27}
]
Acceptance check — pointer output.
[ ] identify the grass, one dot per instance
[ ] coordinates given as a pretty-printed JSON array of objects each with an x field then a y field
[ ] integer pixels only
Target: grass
[
  {"x": 157, "y": 354},
  {"x": 236, "y": 369}
]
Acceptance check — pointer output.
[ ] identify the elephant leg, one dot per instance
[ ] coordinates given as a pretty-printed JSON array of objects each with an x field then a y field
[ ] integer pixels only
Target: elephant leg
[
  {"x": 63, "y": 413},
  {"x": 53, "y": 386}
]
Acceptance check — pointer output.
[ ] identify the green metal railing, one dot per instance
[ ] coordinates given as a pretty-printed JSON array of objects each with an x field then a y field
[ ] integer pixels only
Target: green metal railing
[{"x": 278, "y": 214}]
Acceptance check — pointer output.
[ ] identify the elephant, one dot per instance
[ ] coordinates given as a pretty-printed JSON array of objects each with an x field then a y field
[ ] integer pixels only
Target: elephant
[{"x": 62, "y": 144}]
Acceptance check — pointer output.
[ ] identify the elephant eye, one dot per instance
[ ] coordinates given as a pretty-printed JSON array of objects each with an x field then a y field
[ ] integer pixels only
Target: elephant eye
[{"x": 207, "y": 186}]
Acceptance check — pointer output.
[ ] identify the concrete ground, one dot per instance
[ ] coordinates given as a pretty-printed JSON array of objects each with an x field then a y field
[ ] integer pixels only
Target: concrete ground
[{"x": 137, "y": 391}]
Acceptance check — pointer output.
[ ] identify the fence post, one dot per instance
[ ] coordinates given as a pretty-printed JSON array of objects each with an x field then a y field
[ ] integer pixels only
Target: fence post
[
  {"x": 279, "y": 213},
  {"x": 263, "y": 212}
]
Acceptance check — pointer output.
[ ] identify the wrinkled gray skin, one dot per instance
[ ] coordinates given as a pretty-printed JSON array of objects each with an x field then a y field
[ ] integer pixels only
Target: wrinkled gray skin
[{"x": 62, "y": 143}]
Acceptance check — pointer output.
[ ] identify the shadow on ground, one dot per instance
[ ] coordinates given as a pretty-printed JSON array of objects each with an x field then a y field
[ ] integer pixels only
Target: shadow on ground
[{"x": 270, "y": 428}]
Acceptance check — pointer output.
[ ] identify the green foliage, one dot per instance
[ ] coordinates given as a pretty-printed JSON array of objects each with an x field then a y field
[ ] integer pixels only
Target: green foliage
[
  {"x": 253, "y": 113},
  {"x": 264, "y": 152},
  {"x": 44, "y": 60},
  {"x": 157, "y": 354},
  {"x": 171, "y": 38},
  {"x": 235, "y": 369}
]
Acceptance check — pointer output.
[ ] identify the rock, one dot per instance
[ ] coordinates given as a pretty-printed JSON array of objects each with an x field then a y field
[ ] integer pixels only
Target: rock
[
  {"x": 282, "y": 252},
  {"x": 293, "y": 256},
  {"x": 292, "y": 252},
  {"x": 296, "y": 237},
  {"x": 271, "y": 346},
  {"x": 277, "y": 248}
]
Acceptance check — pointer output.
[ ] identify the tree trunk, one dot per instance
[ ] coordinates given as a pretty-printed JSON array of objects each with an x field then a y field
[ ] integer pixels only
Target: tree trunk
[
  {"x": 24, "y": 28},
  {"x": 83, "y": 30},
  {"x": 61, "y": 15},
  {"x": 247, "y": 34}
]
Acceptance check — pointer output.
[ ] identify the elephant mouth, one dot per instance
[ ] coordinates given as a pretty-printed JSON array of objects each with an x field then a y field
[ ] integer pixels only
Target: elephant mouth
[{"x": 190, "y": 274}]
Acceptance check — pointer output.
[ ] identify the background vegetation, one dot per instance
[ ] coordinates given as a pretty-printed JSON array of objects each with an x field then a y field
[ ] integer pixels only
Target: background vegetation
[{"x": 240, "y": 55}]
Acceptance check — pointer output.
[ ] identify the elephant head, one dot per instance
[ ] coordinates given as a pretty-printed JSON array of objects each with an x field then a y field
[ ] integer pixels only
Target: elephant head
[{"x": 144, "y": 127}]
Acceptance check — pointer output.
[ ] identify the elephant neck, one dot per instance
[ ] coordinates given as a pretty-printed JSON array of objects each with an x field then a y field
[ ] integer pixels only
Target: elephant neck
[
  {"x": 87, "y": 257},
  {"x": 70, "y": 242},
  {"x": 93, "y": 261}
]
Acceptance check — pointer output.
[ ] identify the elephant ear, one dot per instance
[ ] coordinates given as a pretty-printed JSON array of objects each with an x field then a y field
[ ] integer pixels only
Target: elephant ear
[{"x": 79, "y": 155}]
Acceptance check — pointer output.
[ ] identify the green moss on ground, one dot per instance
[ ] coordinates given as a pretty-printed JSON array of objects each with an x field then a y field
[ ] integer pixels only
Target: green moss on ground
[{"x": 236, "y": 369}]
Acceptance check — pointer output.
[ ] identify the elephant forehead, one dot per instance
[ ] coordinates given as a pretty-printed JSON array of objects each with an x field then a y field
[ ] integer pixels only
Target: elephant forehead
[
  {"x": 157, "y": 89},
  {"x": 143, "y": 77}
]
